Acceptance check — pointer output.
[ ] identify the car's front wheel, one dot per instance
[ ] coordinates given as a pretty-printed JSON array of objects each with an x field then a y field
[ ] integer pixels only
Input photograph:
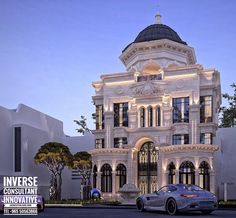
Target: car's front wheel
[
  {"x": 140, "y": 205},
  {"x": 171, "y": 206}
]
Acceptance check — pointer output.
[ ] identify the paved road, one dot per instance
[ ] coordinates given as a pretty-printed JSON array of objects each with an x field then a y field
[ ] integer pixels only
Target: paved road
[{"x": 119, "y": 213}]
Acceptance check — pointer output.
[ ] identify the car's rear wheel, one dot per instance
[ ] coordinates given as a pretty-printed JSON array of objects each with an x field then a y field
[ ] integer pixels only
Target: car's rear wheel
[
  {"x": 171, "y": 206},
  {"x": 206, "y": 212},
  {"x": 140, "y": 205}
]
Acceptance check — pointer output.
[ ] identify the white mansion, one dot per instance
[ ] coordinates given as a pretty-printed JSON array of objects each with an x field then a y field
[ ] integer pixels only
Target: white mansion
[{"x": 156, "y": 123}]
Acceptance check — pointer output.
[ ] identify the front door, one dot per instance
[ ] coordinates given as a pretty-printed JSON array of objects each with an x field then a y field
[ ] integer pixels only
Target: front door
[{"x": 147, "y": 168}]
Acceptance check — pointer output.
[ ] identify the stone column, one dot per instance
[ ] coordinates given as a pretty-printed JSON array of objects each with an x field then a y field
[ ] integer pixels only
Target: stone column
[
  {"x": 154, "y": 119},
  {"x": 146, "y": 117},
  {"x": 113, "y": 183},
  {"x": 197, "y": 177},
  {"x": 161, "y": 117},
  {"x": 99, "y": 180},
  {"x": 176, "y": 176},
  {"x": 129, "y": 170}
]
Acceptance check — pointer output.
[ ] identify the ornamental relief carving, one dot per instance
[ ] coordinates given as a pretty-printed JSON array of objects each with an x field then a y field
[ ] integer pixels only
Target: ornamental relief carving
[
  {"x": 147, "y": 88},
  {"x": 119, "y": 90}
]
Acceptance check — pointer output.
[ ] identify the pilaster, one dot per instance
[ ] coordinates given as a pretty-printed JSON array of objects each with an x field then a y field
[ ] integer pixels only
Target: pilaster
[
  {"x": 194, "y": 119},
  {"x": 109, "y": 124}
]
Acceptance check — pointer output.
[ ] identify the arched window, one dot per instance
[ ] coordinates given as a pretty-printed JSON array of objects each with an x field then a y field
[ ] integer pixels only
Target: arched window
[
  {"x": 150, "y": 118},
  {"x": 95, "y": 170},
  {"x": 120, "y": 176},
  {"x": 158, "y": 116},
  {"x": 106, "y": 178},
  {"x": 142, "y": 117},
  {"x": 204, "y": 176},
  {"x": 187, "y": 173},
  {"x": 147, "y": 168},
  {"x": 171, "y": 175}
]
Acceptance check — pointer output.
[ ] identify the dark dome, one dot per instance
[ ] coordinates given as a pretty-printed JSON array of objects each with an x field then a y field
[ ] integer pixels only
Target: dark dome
[{"x": 156, "y": 32}]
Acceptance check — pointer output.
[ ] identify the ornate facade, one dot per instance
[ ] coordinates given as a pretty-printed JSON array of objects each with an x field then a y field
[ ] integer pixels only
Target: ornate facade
[{"x": 156, "y": 122}]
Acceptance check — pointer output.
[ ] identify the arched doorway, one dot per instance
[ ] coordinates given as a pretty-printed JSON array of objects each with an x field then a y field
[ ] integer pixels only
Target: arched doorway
[
  {"x": 147, "y": 168},
  {"x": 187, "y": 173},
  {"x": 120, "y": 176},
  {"x": 204, "y": 175}
]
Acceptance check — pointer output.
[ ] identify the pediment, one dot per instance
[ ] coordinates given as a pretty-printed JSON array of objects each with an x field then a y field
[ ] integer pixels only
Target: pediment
[{"x": 148, "y": 88}]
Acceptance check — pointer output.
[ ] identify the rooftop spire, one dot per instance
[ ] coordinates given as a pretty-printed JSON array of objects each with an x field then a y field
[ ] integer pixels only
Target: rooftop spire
[{"x": 158, "y": 18}]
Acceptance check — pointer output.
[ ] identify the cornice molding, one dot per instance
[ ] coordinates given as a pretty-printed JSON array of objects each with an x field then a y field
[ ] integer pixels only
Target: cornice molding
[
  {"x": 108, "y": 151},
  {"x": 135, "y": 48},
  {"x": 189, "y": 147}
]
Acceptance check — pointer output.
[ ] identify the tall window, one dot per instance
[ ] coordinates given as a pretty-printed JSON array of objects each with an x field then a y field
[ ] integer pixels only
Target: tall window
[
  {"x": 180, "y": 139},
  {"x": 158, "y": 116},
  {"x": 180, "y": 110},
  {"x": 142, "y": 117},
  {"x": 121, "y": 114},
  {"x": 106, "y": 178},
  {"x": 99, "y": 143},
  {"x": 120, "y": 176},
  {"x": 119, "y": 142},
  {"x": 95, "y": 170},
  {"x": 17, "y": 143},
  {"x": 206, "y": 138},
  {"x": 187, "y": 173},
  {"x": 204, "y": 176},
  {"x": 147, "y": 168},
  {"x": 206, "y": 109},
  {"x": 99, "y": 117},
  {"x": 171, "y": 175},
  {"x": 150, "y": 118}
]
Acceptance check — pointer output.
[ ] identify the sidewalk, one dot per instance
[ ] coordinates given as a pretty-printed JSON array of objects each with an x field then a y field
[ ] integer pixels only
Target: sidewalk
[{"x": 107, "y": 206}]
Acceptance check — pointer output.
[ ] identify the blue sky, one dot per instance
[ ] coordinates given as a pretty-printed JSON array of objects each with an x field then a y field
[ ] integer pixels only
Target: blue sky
[{"x": 52, "y": 50}]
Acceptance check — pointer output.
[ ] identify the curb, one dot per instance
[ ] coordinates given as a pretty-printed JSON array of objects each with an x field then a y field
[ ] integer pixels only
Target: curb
[{"x": 91, "y": 206}]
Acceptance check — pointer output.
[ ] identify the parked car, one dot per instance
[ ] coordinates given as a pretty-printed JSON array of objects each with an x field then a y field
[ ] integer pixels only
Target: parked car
[
  {"x": 40, "y": 202},
  {"x": 179, "y": 197}
]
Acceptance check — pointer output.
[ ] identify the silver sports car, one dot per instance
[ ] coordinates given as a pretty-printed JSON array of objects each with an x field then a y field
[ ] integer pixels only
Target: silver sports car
[{"x": 182, "y": 198}]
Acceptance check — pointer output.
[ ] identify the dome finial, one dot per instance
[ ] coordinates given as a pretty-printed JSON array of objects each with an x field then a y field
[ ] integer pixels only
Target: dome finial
[{"x": 158, "y": 18}]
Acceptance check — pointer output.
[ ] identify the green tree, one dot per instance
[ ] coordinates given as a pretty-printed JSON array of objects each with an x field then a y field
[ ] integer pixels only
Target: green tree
[
  {"x": 228, "y": 114},
  {"x": 82, "y": 123},
  {"x": 55, "y": 156},
  {"x": 83, "y": 164}
]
